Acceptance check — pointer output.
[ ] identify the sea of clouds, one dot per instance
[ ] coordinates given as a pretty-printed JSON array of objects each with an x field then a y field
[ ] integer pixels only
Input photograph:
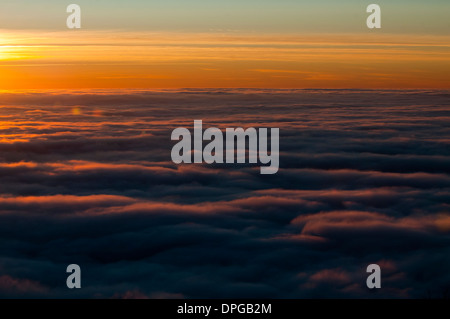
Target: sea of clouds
[{"x": 86, "y": 177}]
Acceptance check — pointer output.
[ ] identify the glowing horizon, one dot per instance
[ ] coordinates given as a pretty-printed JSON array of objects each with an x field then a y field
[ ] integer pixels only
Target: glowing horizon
[
  {"x": 210, "y": 44},
  {"x": 102, "y": 59}
]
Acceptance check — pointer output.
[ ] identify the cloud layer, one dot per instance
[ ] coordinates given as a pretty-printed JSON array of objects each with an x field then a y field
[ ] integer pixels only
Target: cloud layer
[{"x": 87, "y": 178}]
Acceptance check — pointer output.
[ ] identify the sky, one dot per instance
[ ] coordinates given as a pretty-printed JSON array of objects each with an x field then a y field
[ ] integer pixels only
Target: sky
[
  {"x": 261, "y": 44},
  {"x": 283, "y": 16},
  {"x": 87, "y": 177}
]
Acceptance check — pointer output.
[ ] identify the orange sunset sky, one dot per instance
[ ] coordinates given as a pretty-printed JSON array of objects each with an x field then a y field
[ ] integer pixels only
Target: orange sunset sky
[{"x": 213, "y": 44}]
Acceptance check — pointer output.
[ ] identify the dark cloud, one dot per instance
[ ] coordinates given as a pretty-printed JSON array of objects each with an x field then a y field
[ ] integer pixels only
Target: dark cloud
[{"x": 364, "y": 178}]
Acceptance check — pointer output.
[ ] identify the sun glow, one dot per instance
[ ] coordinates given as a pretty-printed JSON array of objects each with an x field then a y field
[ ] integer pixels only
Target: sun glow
[{"x": 2, "y": 51}]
